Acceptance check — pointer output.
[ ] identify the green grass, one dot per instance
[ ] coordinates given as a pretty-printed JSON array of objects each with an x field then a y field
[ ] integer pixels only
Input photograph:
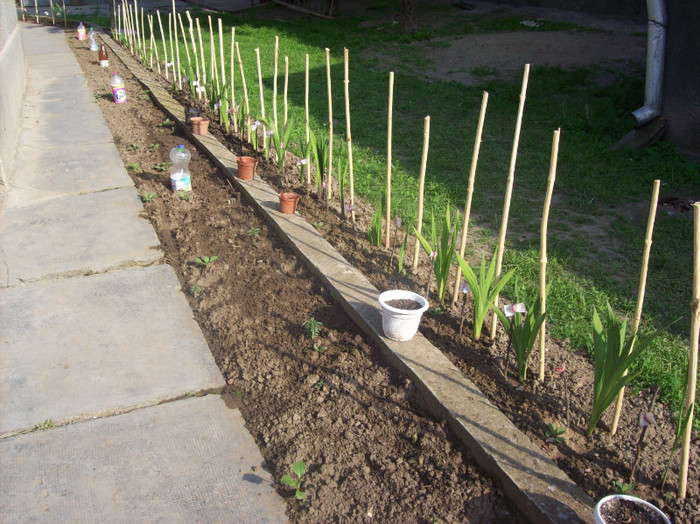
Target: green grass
[{"x": 597, "y": 222}]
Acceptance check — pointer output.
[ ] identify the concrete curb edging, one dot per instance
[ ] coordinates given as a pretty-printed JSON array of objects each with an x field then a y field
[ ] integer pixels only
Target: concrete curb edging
[{"x": 530, "y": 478}]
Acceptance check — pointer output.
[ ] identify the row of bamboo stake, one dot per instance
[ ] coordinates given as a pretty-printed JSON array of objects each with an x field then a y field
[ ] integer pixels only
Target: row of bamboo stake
[
  {"x": 132, "y": 29},
  {"x": 127, "y": 16}
]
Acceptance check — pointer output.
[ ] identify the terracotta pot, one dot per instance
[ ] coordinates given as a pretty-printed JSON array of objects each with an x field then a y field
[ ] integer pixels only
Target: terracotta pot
[
  {"x": 200, "y": 125},
  {"x": 288, "y": 202},
  {"x": 246, "y": 167}
]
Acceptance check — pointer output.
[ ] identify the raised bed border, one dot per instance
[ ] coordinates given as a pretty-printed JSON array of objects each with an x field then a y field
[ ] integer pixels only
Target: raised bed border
[{"x": 530, "y": 479}]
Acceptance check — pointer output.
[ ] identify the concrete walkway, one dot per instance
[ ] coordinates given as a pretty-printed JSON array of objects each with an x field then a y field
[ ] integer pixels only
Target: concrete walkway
[{"x": 108, "y": 404}]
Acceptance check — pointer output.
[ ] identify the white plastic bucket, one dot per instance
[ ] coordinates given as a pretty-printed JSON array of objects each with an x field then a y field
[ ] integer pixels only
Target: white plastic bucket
[
  {"x": 401, "y": 324},
  {"x": 598, "y": 518}
]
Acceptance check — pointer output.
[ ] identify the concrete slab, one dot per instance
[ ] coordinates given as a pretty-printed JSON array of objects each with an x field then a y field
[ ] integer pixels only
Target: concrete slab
[
  {"x": 181, "y": 462},
  {"x": 74, "y": 235},
  {"x": 88, "y": 346},
  {"x": 64, "y": 128},
  {"x": 89, "y": 168}
]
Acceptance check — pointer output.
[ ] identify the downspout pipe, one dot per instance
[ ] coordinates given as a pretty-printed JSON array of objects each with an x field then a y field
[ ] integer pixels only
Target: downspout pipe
[{"x": 656, "y": 49}]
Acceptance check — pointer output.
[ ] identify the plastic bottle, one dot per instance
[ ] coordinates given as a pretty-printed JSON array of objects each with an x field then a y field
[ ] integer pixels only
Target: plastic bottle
[
  {"x": 81, "y": 31},
  {"x": 180, "y": 176},
  {"x": 92, "y": 40},
  {"x": 104, "y": 57},
  {"x": 118, "y": 91}
]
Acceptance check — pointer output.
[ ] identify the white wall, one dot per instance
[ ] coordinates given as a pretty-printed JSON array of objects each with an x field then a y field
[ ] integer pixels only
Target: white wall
[{"x": 12, "y": 82}]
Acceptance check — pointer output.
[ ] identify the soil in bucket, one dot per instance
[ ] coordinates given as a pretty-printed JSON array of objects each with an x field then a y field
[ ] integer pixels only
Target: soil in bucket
[
  {"x": 621, "y": 511},
  {"x": 404, "y": 303}
]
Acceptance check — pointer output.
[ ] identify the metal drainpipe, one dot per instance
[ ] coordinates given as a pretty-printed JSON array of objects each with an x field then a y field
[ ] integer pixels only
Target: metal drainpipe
[{"x": 656, "y": 48}]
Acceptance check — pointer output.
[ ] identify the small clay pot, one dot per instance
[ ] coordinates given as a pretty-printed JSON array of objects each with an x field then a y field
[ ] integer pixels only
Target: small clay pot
[
  {"x": 200, "y": 125},
  {"x": 246, "y": 167},
  {"x": 288, "y": 202}
]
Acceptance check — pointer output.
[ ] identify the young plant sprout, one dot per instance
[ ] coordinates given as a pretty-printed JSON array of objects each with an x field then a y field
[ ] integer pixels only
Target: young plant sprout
[
  {"x": 299, "y": 468},
  {"x": 440, "y": 250},
  {"x": 402, "y": 254},
  {"x": 554, "y": 434},
  {"x": 522, "y": 329},
  {"x": 613, "y": 354},
  {"x": 374, "y": 233},
  {"x": 206, "y": 261},
  {"x": 484, "y": 289},
  {"x": 312, "y": 327},
  {"x": 397, "y": 223},
  {"x": 147, "y": 197}
]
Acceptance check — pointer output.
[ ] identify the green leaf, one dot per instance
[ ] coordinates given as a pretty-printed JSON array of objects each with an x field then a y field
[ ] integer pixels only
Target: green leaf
[
  {"x": 289, "y": 481},
  {"x": 299, "y": 468}
]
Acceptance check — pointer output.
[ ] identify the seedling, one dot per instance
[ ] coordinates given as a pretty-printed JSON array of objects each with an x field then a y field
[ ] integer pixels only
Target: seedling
[
  {"x": 374, "y": 233},
  {"x": 206, "y": 261},
  {"x": 318, "y": 348},
  {"x": 194, "y": 290},
  {"x": 184, "y": 195},
  {"x": 622, "y": 488},
  {"x": 165, "y": 123},
  {"x": 299, "y": 468},
  {"x": 132, "y": 147},
  {"x": 440, "y": 251},
  {"x": 134, "y": 167},
  {"x": 312, "y": 327},
  {"x": 147, "y": 197},
  {"x": 320, "y": 225},
  {"x": 554, "y": 434},
  {"x": 253, "y": 232},
  {"x": 484, "y": 290},
  {"x": 319, "y": 384},
  {"x": 613, "y": 354},
  {"x": 154, "y": 147},
  {"x": 163, "y": 166}
]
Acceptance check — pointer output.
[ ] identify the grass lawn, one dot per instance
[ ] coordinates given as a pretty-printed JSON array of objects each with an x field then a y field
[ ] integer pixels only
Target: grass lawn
[{"x": 598, "y": 217}]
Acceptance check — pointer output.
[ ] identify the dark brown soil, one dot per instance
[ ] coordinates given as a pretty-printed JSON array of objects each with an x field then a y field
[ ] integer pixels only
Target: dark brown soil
[
  {"x": 623, "y": 511},
  {"x": 372, "y": 452},
  {"x": 405, "y": 303}
]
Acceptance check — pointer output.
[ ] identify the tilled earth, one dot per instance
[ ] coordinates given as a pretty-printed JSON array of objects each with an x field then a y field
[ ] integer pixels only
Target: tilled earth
[{"x": 372, "y": 452}]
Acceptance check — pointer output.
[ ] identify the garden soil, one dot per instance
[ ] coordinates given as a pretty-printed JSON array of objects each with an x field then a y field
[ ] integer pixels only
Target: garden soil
[{"x": 372, "y": 452}]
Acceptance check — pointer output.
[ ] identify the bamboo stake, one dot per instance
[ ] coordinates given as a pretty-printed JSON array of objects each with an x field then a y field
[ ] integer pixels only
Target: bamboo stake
[
  {"x": 470, "y": 190},
  {"x": 212, "y": 56},
  {"x": 274, "y": 84},
  {"x": 329, "y": 177},
  {"x": 286, "y": 88},
  {"x": 201, "y": 52},
  {"x": 150, "y": 44},
  {"x": 390, "y": 124},
  {"x": 65, "y": 19},
  {"x": 262, "y": 98},
  {"x": 509, "y": 191},
  {"x": 194, "y": 49},
  {"x": 245, "y": 91},
  {"x": 351, "y": 177},
  {"x": 21, "y": 6},
  {"x": 136, "y": 25},
  {"x": 233, "y": 93},
  {"x": 150, "y": 26},
  {"x": 187, "y": 50},
  {"x": 53, "y": 16},
  {"x": 306, "y": 114},
  {"x": 221, "y": 52},
  {"x": 143, "y": 34},
  {"x": 36, "y": 11},
  {"x": 125, "y": 15},
  {"x": 119, "y": 17},
  {"x": 165, "y": 47},
  {"x": 543, "y": 247},
  {"x": 421, "y": 186},
  {"x": 172, "y": 50},
  {"x": 640, "y": 293},
  {"x": 692, "y": 357},
  {"x": 128, "y": 27},
  {"x": 177, "y": 50}
]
